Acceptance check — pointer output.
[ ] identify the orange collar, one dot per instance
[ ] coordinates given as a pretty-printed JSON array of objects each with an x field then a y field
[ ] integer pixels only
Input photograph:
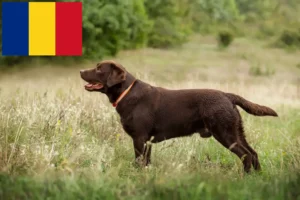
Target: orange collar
[{"x": 123, "y": 94}]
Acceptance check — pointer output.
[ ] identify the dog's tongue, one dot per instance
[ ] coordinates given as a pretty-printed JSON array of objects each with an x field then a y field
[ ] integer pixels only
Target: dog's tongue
[
  {"x": 89, "y": 85},
  {"x": 96, "y": 86}
]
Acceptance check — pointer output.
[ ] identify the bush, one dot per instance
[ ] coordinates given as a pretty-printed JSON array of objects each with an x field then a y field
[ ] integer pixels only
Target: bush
[
  {"x": 290, "y": 38},
  {"x": 225, "y": 38}
]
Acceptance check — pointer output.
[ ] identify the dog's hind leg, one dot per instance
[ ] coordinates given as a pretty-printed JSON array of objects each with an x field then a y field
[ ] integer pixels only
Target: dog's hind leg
[
  {"x": 231, "y": 142},
  {"x": 255, "y": 161},
  {"x": 226, "y": 132},
  {"x": 242, "y": 138}
]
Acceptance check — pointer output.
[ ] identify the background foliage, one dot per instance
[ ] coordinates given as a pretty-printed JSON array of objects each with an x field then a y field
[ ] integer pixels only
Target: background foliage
[{"x": 112, "y": 25}]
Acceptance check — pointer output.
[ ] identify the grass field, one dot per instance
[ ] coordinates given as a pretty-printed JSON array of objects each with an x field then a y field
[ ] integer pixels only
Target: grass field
[{"x": 58, "y": 141}]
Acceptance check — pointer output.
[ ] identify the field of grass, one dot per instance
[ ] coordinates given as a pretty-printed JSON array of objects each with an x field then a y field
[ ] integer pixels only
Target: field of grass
[{"x": 58, "y": 141}]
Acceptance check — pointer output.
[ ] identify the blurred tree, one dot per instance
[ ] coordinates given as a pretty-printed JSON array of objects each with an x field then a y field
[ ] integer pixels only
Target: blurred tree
[
  {"x": 220, "y": 10},
  {"x": 168, "y": 23},
  {"x": 112, "y": 25}
]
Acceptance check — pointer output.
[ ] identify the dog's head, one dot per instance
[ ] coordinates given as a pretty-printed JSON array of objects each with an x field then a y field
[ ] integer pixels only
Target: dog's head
[{"x": 105, "y": 75}]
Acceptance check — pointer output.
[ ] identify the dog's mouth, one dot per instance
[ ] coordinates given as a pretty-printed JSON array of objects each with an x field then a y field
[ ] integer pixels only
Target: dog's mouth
[{"x": 93, "y": 86}]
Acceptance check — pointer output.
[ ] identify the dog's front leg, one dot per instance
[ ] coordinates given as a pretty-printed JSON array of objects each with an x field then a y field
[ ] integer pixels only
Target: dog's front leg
[{"x": 142, "y": 151}]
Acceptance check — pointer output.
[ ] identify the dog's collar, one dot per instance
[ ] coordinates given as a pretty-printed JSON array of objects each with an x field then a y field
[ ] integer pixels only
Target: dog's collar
[{"x": 123, "y": 94}]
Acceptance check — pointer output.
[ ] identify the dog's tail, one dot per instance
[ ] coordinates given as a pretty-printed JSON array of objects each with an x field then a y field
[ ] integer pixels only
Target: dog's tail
[{"x": 250, "y": 107}]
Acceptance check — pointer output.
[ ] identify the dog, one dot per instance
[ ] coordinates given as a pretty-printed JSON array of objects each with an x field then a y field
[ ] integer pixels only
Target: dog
[{"x": 156, "y": 114}]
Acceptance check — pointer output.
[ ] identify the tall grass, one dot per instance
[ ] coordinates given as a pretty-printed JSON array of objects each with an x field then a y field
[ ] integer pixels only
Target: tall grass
[{"x": 59, "y": 141}]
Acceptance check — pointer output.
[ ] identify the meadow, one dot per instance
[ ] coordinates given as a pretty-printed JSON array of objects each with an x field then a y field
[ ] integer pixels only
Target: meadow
[{"x": 58, "y": 141}]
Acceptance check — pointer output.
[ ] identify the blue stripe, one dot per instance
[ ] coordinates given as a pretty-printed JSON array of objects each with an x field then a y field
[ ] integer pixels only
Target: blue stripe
[{"x": 15, "y": 29}]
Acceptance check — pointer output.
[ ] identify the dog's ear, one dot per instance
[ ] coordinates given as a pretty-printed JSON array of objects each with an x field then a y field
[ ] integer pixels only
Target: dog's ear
[{"x": 117, "y": 75}]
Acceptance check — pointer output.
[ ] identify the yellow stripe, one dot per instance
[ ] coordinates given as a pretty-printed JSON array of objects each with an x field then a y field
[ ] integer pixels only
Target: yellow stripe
[{"x": 41, "y": 28}]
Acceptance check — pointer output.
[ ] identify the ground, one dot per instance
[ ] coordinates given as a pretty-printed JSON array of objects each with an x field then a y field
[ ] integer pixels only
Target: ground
[{"x": 59, "y": 141}]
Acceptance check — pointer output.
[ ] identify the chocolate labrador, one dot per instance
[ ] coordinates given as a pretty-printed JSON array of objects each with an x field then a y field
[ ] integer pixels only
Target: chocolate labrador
[{"x": 155, "y": 114}]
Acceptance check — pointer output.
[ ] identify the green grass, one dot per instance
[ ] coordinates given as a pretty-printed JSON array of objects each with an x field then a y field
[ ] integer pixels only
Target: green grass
[{"x": 58, "y": 141}]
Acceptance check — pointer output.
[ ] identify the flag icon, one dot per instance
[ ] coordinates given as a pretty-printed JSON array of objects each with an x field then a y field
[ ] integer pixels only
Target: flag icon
[{"x": 41, "y": 28}]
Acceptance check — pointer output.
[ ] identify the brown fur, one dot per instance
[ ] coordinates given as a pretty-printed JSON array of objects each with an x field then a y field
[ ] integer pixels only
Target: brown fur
[{"x": 156, "y": 113}]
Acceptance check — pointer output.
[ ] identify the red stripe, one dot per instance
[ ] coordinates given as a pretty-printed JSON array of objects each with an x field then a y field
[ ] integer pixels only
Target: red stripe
[{"x": 68, "y": 28}]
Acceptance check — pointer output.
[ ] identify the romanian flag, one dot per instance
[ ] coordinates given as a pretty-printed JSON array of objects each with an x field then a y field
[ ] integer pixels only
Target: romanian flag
[{"x": 41, "y": 28}]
